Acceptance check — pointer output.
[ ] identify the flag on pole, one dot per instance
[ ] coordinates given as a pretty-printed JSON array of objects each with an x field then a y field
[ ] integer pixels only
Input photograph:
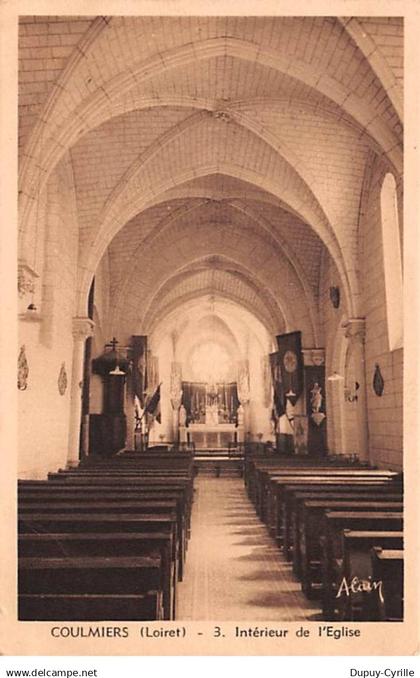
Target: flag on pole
[
  {"x": 139, "y": 356},
  {"x": 153, "y": 406}
]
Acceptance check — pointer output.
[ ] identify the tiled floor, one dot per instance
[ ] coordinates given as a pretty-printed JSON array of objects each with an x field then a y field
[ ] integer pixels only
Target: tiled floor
[{"x": 234, "y": 570}]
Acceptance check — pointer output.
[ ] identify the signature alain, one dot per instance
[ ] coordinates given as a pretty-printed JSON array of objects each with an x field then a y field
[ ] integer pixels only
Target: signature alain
[{"x": 357, "y": 585}]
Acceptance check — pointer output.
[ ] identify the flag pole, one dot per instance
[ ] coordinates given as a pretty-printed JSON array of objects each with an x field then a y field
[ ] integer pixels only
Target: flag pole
[{"x": 149, "y": 399}]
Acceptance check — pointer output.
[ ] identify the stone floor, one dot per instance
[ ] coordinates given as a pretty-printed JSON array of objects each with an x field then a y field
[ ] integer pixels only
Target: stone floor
[{"x": 234, "y": 570}]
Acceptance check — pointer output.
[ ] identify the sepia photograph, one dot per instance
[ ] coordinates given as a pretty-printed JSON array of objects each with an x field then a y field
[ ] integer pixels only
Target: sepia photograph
[{"x": 210, "y": 323}]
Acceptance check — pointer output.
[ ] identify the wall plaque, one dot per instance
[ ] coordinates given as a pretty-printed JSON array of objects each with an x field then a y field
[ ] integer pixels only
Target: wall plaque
[
  {"x": 378, "y": 381},
  {"x": 62, "y": 379},
  {"x": 23, "y": 370}
]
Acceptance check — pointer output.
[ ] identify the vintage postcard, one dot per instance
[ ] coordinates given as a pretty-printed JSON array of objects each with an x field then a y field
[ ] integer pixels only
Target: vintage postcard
[{"x": 209, "y": 328}]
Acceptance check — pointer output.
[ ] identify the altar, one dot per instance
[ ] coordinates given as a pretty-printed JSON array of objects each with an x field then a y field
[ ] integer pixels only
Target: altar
[
  {"x": 210, "y": 415},
  {"x": 205, "y": 436}
]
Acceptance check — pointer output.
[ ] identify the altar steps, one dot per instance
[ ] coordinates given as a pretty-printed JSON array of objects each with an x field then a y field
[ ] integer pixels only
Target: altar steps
[{"x": 217, "y": 462}]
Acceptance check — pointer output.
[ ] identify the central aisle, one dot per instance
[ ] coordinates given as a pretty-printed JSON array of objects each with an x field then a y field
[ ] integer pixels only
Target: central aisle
[{"x": 234, "y": 570}]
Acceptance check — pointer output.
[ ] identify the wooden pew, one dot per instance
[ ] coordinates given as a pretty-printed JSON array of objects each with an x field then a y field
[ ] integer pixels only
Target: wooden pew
[
  {"x": 79, "y": 523},
  {"x": 124, "y": 485},
  {"x": 253, "y": 460},
  {"x": 267, "y": 497},
  {"x": 263, "y": 473},
  {"x": 114, "y": 491},
  {"x": 311, "y": 527},
  {"x": 89, "y": 607},
  {"x": 46, "y": 505},
  {"x": 278, "y": 500},
  {"x": 99, "y": 522},
  {"x": 297, "y": 495},
  {"x": 89, "y": 576},
  {"x": 387, "y": 567},
  {"x": 164, "y": 460},
  {"x": 86, "y": 504},
  {"x": 74, "y": 493},
  {"x": 138, "y": 497},
  {"x": 98, "y": 494},
  {"x": 134, "y": 481},
  {"x": 331, "y": 543},
  {"x": 105, "y": 544},
  {"x": 337, "y": 483},
  {"x": 356, "y": 563}
]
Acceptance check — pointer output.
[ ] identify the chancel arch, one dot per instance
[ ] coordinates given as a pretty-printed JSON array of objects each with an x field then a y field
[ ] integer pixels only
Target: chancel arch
[{"x": 231, "y": 338}]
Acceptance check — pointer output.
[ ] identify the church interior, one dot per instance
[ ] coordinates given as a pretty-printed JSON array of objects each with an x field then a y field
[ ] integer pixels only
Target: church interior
[{"x": 210, "y": 359}]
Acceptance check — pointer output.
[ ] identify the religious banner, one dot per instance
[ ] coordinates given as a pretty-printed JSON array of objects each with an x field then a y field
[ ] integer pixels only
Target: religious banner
[
  {"x": 300, "y": 434},
  {"x": 176, "y": 385},
  {"x": 291, "y": 364},
  {"x": 152, "y": 371},
  {"x": 139, "y": 355},
  {"x": 266, "y": 380},
  {"x": 228, "y": 402},
  {"x": 153, "y": 405},
  {"x": 278, "y": 391},
  {"x": 194, "y": 401},
  {"x": 243, "y": 381}
]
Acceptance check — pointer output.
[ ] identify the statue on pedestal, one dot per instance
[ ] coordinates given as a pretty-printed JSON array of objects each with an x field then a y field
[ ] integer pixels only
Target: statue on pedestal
[
  {"x": 182, "y": 416},
  {"x": 212, "y": 415}
]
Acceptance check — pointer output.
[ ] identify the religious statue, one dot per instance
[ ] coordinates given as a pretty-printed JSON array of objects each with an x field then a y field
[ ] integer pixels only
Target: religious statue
[
  {"x": 316, "y": 397},
  {"x": 240, "y": 415},
  {"x": 290, "y": 411},
  {"x": 212, "y": 415},
  {"x": 316, "y": 403},
  {"x": 182, "y": 416}
]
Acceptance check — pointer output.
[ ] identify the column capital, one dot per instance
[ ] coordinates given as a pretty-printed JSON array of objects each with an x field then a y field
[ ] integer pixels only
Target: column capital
[
  {"x": 82, "y": 328},
  {"x": 354, "y": 329},
  {"x": 313, "y": 356}
]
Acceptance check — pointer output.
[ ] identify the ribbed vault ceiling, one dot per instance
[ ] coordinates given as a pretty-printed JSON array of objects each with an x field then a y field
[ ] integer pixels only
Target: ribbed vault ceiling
[{"x": 211, "y": 155}]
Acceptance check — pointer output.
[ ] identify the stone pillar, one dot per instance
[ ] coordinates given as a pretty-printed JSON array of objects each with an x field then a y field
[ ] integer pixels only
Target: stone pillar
[
  {"x": 241, "y": 424},
  {"x": 354, "y": 331},
  {"x": 130, "y": 412},
  {"x": 175, "y": 394},
  {"x": 82, "y": 328},
  {"x": 244, "y": 391}
]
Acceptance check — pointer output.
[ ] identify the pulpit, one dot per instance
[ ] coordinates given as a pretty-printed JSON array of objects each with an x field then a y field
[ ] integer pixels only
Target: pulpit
[{"x": 108, "y": 430}]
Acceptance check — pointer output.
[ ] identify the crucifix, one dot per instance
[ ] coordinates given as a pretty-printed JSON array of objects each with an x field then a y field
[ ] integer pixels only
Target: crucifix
[{"x": 113, "y": 343}]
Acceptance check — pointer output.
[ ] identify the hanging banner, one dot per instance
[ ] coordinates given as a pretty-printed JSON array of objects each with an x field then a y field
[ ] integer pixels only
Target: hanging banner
[
  {"x": 139, "y": 354},
  {"x": 266, "y": 380},
  {"x": 152, "y": 371},
  {"x": 291, "y": 364},
  {"x": 194, "y": 401},
  {"x": 175, "y": 391},
  {"x": 243, "y": 381},
  {"x": 153, "y": 405},
  {"x": 278, "y": 391}
]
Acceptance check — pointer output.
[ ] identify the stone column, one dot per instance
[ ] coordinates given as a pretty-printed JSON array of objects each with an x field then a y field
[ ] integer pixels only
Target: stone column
[
  {"x": 82, "y": 328},
  {"x": 129, "y": 412},
  {"x": 354, "y": 331},
  {"x": 244, "y": 391},
  {"x": 175, "y": 394}
]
